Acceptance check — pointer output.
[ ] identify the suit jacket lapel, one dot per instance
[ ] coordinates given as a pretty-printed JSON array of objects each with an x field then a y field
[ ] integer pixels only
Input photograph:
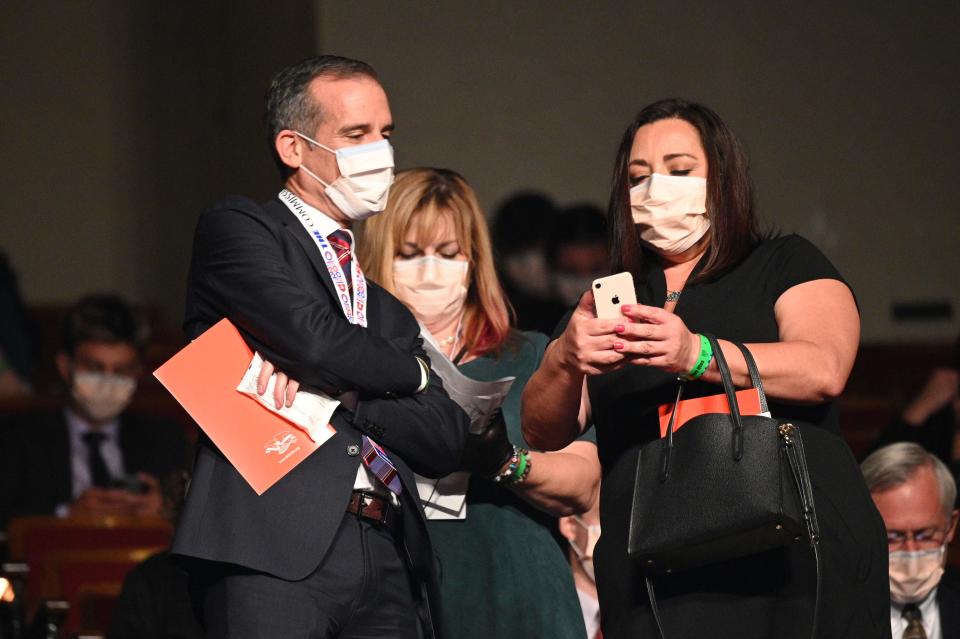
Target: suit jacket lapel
[
  {"x": 948, "y": 600},
  {"x": 61, "y": 469},
  {"x": 279, "y": 210}
]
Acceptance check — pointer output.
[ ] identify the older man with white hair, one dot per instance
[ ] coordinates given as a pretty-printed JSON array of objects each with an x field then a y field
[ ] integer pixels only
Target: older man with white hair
[{"x": 915, "y": 494}]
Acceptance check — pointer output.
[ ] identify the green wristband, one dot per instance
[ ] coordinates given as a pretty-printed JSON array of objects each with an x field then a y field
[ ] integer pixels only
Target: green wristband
[
  {"x": 521, "y": 466},
  {"x": 703, "y": 360}
]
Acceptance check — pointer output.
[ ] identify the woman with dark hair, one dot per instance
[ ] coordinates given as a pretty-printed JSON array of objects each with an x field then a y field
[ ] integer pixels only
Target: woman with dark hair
[{"x": 682, "y": 221}]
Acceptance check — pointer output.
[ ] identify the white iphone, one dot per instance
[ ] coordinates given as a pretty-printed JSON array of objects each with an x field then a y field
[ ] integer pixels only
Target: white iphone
[{"x": 612, "y": 292}]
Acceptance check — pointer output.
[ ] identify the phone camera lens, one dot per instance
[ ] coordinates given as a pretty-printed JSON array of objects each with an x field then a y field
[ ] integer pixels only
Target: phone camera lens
[{"x": 596, "y": 285}]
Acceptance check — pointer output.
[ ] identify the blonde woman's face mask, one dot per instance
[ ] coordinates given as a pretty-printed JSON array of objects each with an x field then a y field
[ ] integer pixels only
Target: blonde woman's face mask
[{"x": 431, "y": 276}]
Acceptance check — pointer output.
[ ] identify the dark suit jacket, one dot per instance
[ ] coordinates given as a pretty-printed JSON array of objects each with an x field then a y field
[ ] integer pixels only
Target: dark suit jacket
[
  {"x": 36, "y": 473},
  {"x": 948, "y": 599},
  {"x": 256, "y": 265}
]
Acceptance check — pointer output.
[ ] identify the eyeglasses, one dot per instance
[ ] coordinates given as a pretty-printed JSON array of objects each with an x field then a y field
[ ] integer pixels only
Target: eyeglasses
[{"x": 926, "y": 538}]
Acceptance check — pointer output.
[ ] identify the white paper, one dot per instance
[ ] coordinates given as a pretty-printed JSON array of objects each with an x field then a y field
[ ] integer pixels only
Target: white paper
[
  {"x": 311, "y": 412},
  {"x": 446, "y": 498}
]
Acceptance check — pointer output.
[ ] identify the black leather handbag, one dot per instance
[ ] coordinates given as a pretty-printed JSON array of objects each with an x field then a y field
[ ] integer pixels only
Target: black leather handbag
[{"x": 723, "y": 487}]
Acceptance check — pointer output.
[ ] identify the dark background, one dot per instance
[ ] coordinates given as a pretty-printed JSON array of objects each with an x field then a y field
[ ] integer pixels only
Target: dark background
[{"x": 120, "y": 121}]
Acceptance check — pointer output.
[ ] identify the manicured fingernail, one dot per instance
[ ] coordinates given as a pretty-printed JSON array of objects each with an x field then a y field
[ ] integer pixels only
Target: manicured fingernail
[
  {"x": 618, "y": 346},
  {"x": 619, "y": 328},
  {"x": 626, "y": 308}
]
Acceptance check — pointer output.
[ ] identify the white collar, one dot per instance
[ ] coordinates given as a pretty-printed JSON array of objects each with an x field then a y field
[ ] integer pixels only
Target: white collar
[
  {"x": 312, "y": 216},
  {"x": 78, "y": 426}
]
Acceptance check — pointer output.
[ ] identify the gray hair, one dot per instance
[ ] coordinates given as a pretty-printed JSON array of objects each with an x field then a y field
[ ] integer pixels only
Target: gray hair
[
  {"x": 895, "y": 464},
  {"x": 289, "y": 103}
]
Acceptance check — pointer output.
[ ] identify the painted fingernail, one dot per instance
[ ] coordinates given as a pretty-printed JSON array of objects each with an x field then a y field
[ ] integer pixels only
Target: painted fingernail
[
  {"x": 626, "y": 308},
  {"x": 619, "y": 328},
  {"x": 618, "y": 346}
]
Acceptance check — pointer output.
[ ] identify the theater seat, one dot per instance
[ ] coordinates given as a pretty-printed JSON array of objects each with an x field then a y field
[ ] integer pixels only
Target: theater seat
[{"x": 35, "y": 539}]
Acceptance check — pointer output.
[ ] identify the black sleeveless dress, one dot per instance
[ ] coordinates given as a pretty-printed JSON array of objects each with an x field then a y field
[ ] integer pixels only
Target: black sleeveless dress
[{"x": 762, "y": 596}]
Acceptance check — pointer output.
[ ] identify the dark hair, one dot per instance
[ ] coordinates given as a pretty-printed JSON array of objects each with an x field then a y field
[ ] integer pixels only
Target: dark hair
[
  {"x": 103, "y": 318},
  {"x": 734, "y": 229},
  {"x": 289, "y": 103},
  {"x": 522, "y": 221},
  {"x": 580, "y": 224}
]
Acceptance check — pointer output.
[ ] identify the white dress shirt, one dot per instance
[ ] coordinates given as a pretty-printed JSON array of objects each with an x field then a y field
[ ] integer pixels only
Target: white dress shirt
[
  {"x": 80, "y": 476},
  {"x": 591, "y": 613},
  {"x": 929, "y": 609},
  {"x": 365, "y": 480}
]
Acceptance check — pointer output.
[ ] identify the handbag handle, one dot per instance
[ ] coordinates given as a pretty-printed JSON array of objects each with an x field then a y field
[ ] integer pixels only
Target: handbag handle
[
  {"x": 730, "y": 391},
  {"x": 754, "y": 375}
]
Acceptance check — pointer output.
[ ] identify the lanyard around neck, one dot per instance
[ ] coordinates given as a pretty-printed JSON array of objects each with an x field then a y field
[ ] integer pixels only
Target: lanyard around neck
[{"x": 356, "y": 313}]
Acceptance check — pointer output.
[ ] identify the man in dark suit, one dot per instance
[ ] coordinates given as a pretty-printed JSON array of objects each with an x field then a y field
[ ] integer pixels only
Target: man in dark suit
[
  {"x": 336, "y": 548},
  {"x": 91, "y": 456},
  {"x": 915, "y": 494}
]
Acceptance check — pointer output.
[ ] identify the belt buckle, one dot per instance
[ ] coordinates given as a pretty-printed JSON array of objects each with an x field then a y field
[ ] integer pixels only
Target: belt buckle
[{"x": 365, "y": 500}]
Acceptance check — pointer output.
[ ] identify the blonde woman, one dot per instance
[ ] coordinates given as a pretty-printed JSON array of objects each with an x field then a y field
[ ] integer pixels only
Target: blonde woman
[{"x": 504, "y": 574}]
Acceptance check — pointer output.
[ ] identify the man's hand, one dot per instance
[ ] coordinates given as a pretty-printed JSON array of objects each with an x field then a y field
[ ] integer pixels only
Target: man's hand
[
  {"x": 101, "y": 501},
  {"x": 119, "y": 501},
  {"x": 285, "y": 389},
  {"x": 487, "y": 452}
]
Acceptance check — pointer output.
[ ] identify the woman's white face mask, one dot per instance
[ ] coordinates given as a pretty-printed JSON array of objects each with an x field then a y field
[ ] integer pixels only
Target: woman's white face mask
[
  {"x": 434, "y": 288},
  {"x": 670, "y": 211}
]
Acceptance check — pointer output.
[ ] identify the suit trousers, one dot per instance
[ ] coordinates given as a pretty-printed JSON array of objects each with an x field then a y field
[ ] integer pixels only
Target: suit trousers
[{"x": 361, "y": 590}]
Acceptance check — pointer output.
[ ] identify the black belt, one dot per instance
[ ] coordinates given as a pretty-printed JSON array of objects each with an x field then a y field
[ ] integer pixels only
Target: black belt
[{"x": 376, "y": 509}]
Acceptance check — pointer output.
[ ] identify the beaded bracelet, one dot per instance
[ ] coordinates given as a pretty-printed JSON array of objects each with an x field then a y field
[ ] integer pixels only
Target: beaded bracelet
[
  {"x": 507, "y": 473},
  {"x": 703, "y": 360},
  {"x": 523, "y": 469}
]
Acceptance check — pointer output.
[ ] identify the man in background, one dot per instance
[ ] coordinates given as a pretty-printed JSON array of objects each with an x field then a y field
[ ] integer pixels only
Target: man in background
[
  {"x": 91, "y": 456},
  {"x": 915, "y": 494}
]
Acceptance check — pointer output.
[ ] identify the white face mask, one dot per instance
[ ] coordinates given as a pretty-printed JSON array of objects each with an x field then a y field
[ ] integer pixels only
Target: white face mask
[
  {"x": 101, "y": 396},
  {"x": 528, "y": 272},
  {"x": 366, "y": 173},
  {"x": 569, "y": 288},
  {"x": 914, "y": 574},
  {"x": 670, "y": 211},
  {"x": 585, "y": 555},
  {"x": 433, "y": 287}
]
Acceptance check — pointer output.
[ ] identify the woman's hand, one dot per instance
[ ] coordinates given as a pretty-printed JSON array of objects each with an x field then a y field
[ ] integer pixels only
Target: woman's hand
[
  {"x": 587, "y": 345},
  {"x": 658, "y": 338},
  {"x": 285, "y": 389}
]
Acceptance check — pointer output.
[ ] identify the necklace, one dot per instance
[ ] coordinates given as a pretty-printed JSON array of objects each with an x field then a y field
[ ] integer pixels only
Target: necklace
[
  {"x": 673, "y": 296},
  {"x": 449, "y": 339}
]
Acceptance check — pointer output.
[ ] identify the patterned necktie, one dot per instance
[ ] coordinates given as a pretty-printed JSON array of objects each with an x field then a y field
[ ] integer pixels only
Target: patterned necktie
[
  {"x": 340, "y": 240},
  {"x": 99, "y": 474},
  {"x": 374, "y": 457},
  {"x": 914, "y": 618}
]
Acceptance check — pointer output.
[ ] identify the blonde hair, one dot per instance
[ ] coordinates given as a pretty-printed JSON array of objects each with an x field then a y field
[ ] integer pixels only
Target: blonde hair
[{"x": 419, "y": 198}]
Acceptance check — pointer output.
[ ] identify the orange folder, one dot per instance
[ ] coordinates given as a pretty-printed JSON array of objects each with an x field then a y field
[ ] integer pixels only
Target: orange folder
[
  {"x": 748, "y": 400},
  {"x": 203, "y": 377}
]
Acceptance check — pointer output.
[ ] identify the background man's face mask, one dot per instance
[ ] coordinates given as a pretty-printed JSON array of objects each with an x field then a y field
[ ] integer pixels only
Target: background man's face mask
[
  {"x": 366, "y": 173},
  {"x": 585, "y": 554},
  {"x": 527, "y": 271},
  {"x": 102, "y": 396},
  {"x": 570, "y": 287},
  {"x": 915, "y": 573},
  {"x": 670, "y": 211},
  {"x": 434, "y": 288}
]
